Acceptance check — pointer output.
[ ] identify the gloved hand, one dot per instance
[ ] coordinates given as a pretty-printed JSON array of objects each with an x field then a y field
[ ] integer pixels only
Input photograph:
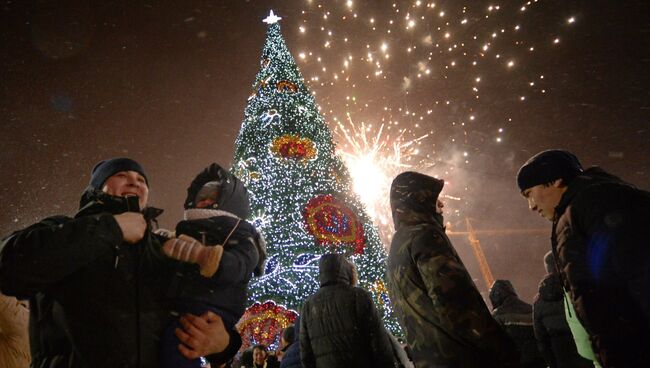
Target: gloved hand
[{"x": 187, "y": 249}]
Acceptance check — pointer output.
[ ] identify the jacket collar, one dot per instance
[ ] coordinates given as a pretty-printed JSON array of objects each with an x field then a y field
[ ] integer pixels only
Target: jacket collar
[{"x": 94, "y": 202}]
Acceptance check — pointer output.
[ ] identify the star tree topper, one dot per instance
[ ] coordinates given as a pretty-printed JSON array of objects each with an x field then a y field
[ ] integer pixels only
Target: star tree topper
[{"x": 272, "y": 18}]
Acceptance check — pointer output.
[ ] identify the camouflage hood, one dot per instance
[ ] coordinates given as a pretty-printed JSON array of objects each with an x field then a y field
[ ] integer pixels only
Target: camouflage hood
[
  {"x": 413, "y": 198},
  {"x": 335, "y": 269}
]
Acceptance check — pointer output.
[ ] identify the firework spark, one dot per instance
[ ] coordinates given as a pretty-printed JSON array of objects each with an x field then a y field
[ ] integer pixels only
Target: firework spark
[{"x": 373, "y": 159}]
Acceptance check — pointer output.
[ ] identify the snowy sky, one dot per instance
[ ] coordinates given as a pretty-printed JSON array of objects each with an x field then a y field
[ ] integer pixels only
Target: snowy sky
[{"x": 490, "y": 83}]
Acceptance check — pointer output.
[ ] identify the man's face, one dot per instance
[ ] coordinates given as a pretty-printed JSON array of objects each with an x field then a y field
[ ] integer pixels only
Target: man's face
[
  {"x": 543, "y": 198},
  {"x": 258, "y": 356},
  {"x": 125, "y": 183}
]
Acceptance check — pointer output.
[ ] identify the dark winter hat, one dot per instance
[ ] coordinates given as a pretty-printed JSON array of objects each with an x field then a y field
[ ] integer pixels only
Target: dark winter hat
[
  {"x": 218, "y": 183},
  {"x": 547, "y": 166},
  {"x": 335, "y": 268},
  {"x": 107, "y": 168},
  {"x": 499, "y": 291}
]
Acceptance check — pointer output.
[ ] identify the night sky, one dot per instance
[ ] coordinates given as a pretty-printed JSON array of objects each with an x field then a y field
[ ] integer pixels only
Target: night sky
[{"x": 489, "y": 83}]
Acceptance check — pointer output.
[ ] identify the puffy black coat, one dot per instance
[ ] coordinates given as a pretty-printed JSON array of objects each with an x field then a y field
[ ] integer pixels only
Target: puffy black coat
[
  {"x": 516, "y": 317},
  {"x": 291, "y": 358},
  {"x": 552, "y": 332},
  {"x": 339, "y": 324},
  {"x": 94, "y": 301},
  {"x": 227, "y": 288},
  {"x": 600, "y": 242}
]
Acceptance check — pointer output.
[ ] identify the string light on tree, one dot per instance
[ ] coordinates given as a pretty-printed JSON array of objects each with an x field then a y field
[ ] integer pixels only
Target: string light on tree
[{"x": 301, "y": 187}]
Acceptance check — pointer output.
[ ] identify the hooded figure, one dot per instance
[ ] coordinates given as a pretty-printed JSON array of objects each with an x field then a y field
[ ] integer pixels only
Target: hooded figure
[
  {"x": 339, "y": 324},
  {"x": 516, "y": 317},
  {"x": 216, "y": 272},
  {"x": 447, "y": 324}
]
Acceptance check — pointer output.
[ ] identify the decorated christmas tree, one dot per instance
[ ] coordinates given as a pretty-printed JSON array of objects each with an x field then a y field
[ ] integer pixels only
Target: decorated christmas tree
[{"x": 301, "y": 195}]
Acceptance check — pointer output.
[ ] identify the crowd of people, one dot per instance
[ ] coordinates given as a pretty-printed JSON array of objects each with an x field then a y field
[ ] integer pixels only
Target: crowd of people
[{"x": 105, "y": 288}]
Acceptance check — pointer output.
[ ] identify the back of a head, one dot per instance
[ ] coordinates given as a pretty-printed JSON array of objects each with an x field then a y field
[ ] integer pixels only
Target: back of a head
[
  {"x": 229, "y": 192},
  {"x": 548, "y": 166},
  {"x": 414, "y": 193},
  {"x": 500, "y": 290},
  {"x": 289, "y": 334},
  {"x": 334, "y": 268}
]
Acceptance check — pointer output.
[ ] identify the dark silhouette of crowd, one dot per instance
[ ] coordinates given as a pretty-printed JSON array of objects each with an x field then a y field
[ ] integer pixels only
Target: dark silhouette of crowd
[{"x": 80, "y": 275}]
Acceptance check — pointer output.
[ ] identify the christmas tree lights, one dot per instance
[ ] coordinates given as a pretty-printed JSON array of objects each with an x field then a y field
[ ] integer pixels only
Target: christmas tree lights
[{"x": 301, "y": 192}]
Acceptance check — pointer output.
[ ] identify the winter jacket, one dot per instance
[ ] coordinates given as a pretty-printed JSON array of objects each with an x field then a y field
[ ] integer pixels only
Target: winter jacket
[
  {"x": 14, "y": 340},
  {"x": 436, "y": 302},
  {"x": 339, "y": 324},
  {"x": 94, "y": 300},
  {"x": 227, "y": 289},
  {"x": 600, "y": 236},
  {"x": 580, "y": 335},
  {"x": 516, "y": 317},
  {"x": 291, "y": 358},
  {"x": 244, "y": 252},
  {"x": 554, "y": 338}
]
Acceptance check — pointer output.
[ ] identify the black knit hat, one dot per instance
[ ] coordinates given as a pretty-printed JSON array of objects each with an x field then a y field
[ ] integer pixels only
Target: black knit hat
[
  {"x": 107, "y": 168},
  {"x": 548, "y": 166}
]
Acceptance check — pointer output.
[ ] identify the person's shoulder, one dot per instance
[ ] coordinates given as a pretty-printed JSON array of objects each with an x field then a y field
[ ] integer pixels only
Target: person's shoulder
[
  {"x": 428, "y": 237},
  {"x": 607, "y": 195},
  {"x": 56, "y": 220},
  {"x": 361, "y": 292}
]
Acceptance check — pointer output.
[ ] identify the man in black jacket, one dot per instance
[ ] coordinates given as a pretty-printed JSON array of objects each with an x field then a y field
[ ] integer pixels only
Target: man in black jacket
[
  {"x": 600, "y": 243},
  {"x": 339, "y": 324},
  {"x": 97, "y": 282}
]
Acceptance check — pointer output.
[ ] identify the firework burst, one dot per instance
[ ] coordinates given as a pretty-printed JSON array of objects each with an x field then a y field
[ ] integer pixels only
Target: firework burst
[{"x": 373, "y": 158}]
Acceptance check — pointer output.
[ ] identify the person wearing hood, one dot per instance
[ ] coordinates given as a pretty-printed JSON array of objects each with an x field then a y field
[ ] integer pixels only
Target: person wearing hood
[
  {"x": 554, "y": 338},
  {"x": 215, "y": 273},
  {"x": 339, "y": 324},
  {"x": 599, "y": 239},
  {"x": 516, "y": 317},
  {"x": 446, "y": 321},
  {"x": 96, "y": 283}
]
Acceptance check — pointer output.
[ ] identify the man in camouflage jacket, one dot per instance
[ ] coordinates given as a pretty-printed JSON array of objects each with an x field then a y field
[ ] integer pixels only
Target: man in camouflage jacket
[{"x": 446, "y": 321}]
